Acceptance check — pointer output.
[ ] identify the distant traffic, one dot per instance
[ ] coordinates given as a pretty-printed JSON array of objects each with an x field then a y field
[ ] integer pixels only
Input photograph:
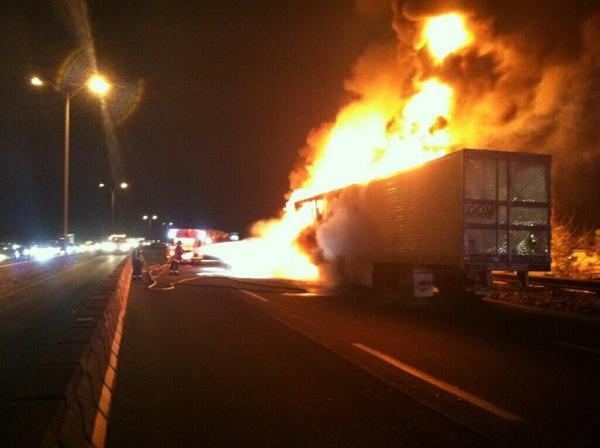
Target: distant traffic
[{"x": 117, "y": 244}]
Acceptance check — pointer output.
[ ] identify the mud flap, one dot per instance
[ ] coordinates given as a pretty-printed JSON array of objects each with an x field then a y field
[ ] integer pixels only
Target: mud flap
[{"x": 422, "y": 280}]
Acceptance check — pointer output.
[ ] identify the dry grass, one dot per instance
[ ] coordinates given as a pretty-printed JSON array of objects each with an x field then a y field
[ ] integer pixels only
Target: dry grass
[
  {"x": 575, "y": 254},
  {"x": 558, "y": 300}
]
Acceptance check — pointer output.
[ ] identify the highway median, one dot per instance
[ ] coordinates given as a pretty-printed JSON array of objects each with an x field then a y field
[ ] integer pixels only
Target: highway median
[{"x": 66, "y": 400}]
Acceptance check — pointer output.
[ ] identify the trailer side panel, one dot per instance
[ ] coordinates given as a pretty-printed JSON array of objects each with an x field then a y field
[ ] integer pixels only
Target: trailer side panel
[{"x": 419, "y": 213}]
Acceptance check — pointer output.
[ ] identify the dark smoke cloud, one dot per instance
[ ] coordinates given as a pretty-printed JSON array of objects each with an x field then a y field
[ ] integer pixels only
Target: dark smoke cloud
[
  {"x": 374, "y": 10},
  {"x": 550, "y": 30},
  {"x": 531, "y": 82}
]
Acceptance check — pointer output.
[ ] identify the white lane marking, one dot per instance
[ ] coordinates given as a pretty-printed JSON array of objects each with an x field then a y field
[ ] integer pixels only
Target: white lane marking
[
  {"x": 10, "y": 265},
  {"x": 44, "y": 278},
  {"x": 579, "y": 347},
  {"x": 304, "y": 294},
  {"x": 454, "y": 390},
  {"x": 254, "y": 295}
]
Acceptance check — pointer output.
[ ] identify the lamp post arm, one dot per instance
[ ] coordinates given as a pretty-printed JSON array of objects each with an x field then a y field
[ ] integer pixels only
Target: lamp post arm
[
  {"x": 75, "y": 91},
  {"x": 62, "y": 92},
  {"x": 66, "y": 94}
]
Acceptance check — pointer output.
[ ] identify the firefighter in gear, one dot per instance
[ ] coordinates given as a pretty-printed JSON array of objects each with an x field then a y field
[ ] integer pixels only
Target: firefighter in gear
[
  {"x": 138, "y": 261},
  {"x": 176, "y": 259}
]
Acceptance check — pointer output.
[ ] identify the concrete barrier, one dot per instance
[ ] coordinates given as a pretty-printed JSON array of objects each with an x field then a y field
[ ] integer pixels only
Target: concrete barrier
[{"x": 66, "y": 401}]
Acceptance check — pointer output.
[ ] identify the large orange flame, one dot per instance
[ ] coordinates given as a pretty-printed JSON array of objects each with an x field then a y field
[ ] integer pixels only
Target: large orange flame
[
  {"x": 370, "y": 138},
  {"x": 445, "y": 34}
]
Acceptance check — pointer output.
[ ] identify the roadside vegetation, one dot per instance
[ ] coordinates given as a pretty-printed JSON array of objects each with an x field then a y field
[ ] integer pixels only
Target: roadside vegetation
[{"x": 575, "y": 254}]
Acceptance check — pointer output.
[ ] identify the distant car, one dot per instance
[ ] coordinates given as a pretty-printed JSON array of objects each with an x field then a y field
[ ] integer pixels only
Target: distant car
[
  {"x": 116, "y": 244},
  {"x": 157, "y": 245}
]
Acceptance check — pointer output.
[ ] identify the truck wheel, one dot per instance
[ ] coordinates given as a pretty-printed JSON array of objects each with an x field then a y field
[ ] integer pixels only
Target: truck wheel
[{"x": 523, "y": 277}]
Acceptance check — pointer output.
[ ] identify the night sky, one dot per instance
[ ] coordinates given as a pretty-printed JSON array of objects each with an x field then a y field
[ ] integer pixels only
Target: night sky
[
  {"x": 230, "y": 90},
  {"x": 212, "y": 101}
]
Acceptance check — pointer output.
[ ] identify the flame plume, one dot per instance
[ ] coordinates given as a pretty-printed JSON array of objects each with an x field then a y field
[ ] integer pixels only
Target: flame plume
[
  {"x": 481, "y": 77},
  {"x": 372, "y": 137},
  {"x": 445, "y": 34}
]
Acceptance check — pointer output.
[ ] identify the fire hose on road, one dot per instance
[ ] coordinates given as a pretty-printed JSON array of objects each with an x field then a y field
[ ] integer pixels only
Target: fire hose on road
[{"x": 156, "y": 271}]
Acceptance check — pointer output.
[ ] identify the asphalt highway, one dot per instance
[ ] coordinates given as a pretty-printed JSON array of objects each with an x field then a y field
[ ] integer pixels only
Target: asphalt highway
[
  {"x": 222, "y": 362},
  {"x": 33, "y": 312},
  {"x": 199, "y": 366}
]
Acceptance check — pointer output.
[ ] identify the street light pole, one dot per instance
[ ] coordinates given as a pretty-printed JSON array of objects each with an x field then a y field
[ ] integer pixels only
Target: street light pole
[
  {"x": 149, "y": 219},
  {"x": 97, "y": 85},
  {"x": 66, "y": 169},
  {"x": 113, "y": 199},
  {"x": 112, "y": 210}
]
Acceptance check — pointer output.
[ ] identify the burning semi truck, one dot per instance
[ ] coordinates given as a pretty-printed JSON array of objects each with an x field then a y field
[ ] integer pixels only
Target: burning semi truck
[{"x": 447, "y": 223}]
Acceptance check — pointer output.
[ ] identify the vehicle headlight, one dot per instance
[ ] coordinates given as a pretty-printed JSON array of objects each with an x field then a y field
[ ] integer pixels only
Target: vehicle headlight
[
  {"x": 124, "y": 247},
  {"x": 108, "y": 246}
]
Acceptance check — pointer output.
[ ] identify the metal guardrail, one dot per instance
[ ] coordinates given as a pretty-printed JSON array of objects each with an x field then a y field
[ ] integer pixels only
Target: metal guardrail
[{"x": 553, "y": 282}]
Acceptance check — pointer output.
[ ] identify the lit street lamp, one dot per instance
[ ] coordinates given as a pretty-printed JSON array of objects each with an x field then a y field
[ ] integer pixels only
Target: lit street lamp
[
  {"x": 150, "y": 219},
  {"x": 122, "y": 186},
  {"x": 97, "y": 85}
]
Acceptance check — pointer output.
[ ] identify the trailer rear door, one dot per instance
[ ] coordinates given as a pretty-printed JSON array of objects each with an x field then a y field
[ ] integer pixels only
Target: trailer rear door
[{"x": 507, "y": 210}]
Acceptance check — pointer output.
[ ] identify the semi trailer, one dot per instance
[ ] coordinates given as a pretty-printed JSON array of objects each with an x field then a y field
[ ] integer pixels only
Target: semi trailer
[{"x": 446, "y": 224}]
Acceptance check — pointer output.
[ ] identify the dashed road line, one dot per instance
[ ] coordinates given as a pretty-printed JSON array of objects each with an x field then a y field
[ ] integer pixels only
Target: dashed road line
[
  {"x": 454, "y": 390},
  {"x": 579, "y": 347},
  {"x": 254, "y": 295}
]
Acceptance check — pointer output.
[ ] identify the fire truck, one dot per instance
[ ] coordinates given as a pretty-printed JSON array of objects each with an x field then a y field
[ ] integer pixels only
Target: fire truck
[
  {"x": 445, "y": 224},
  {"x": 191, "y": 241}
]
